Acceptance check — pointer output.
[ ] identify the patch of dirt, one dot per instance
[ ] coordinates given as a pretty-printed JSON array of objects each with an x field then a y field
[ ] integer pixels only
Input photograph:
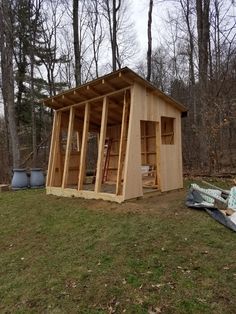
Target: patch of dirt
[{"x": 152, "y": 203}]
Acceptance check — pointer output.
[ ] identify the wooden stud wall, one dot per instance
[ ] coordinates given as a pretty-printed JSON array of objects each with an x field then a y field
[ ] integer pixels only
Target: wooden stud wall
[
  {"x": 52, "y": 147},
  {"x": 148, "y": 142},
  {"x": 68, "y": 147},
  {"x": 55, "y": 159},
  {"x": 84, "y": 147},
  {"x": 132, "y": 145},
  {"x": 132, "y": 186},
  {"x": 101, "y": 145},
  {"x": 150, "y": 151},
  {"x": 123, "y": 143},
  {"x": 113, "y": 132}
]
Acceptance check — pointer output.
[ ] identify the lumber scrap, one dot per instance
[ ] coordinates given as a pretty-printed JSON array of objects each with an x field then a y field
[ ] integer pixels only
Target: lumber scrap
[{"x": 4, "y": 187}]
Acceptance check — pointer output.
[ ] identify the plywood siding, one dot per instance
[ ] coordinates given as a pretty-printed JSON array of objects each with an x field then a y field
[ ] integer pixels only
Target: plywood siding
[
  {"x": 147, "y": 106},
  {"x": 132, "y": 172},
  {"x": 171, "y": 160}
]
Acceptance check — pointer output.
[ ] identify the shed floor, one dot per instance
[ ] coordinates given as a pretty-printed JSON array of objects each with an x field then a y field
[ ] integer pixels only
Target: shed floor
[
  {"x": 105, "y": 188},
  {"x": 110, "y": 188}
]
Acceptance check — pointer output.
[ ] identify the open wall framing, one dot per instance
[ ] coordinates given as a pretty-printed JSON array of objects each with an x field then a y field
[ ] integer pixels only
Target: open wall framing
[{"x": 113, "y": 138}]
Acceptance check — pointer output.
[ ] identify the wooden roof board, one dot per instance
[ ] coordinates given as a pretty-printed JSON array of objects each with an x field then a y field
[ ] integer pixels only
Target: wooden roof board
[{"x": 119, "y": 79}]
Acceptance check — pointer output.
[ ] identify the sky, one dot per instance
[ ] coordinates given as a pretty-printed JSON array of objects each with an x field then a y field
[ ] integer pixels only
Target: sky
[
  {"x": 139, "y": 15},
  {"x": 139, "y": 11}
]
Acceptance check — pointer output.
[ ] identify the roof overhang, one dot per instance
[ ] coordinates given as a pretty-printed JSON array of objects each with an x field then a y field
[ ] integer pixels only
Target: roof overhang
[{"x": 106, "y": 85}]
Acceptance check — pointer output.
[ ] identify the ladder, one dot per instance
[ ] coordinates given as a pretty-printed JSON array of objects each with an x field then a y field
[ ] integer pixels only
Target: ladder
[{"x": 107, "y": 151}]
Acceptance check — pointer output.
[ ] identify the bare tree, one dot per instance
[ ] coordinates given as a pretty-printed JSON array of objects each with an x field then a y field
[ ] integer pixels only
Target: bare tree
[
  {"x": 49, "y": 54},
  {"x": 121, "y": 35},
  {"x": 77, "y": 50},
  {"x": 203, "y": 29},
  {"x": 149, "y": 32},
  {"x": 96, "y": 30},
  {"x": 34, "y": 23},
  {"x": 187, "y": 9},
  {"x": 115, "y": 8},
  {"x": 6, "y": 49}
]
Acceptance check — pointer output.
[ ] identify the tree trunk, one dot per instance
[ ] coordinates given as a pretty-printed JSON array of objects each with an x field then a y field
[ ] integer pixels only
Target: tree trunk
[
  {"x": 77, "y": 49},
  {"x": 187, "y": 15},
  {"x": 203, "y": 30},
  {"x": 114, "y": 32},
  {"x": 149, "y": 51},
  {"x": 33, "y": 116},
  {"x": 6, "y": 46}
]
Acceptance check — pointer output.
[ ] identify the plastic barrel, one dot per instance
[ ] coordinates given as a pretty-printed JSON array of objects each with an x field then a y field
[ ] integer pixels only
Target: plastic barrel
[
  {"x": 19, "y": 179},
  {"x": 37, "y": 179}
]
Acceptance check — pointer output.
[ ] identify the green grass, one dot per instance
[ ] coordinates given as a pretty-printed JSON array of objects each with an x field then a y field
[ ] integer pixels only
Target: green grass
[{"x": 60, "y": 255}]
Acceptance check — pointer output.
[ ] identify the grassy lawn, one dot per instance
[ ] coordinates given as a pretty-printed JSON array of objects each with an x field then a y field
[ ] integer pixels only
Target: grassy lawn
[{"x": 61, "y": 255}]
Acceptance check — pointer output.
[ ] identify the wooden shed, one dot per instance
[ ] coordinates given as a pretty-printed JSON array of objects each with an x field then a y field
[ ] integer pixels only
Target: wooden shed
[{"x": 114, "y": 138}]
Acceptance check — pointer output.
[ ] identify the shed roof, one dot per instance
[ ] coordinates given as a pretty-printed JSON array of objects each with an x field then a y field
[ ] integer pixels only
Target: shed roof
[{"x": 104, "y": 85}]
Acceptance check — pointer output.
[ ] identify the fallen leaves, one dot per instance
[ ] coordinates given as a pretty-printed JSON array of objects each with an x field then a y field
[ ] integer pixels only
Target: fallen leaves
[
  {"x": 112, "y": 306},
  {"x": 155, "y": 310},
  {"x": 71, "y": 284}
]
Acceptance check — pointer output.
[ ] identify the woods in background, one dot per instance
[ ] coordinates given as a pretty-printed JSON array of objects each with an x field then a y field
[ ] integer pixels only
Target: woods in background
[{"x": 47, "y": 46}]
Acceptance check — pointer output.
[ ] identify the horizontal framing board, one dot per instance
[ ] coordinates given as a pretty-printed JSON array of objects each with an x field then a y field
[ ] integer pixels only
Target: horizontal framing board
[
  {"x": 95, "y": 98},
  {"x": 84, "y": 194}
]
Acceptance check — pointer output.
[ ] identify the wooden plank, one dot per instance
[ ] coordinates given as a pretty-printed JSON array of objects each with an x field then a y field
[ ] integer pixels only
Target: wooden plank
[
  {"x": 68, "y": 147},
  {"x": 52, "y": 144},
  {"x": 79, "y": 95},
  {"x": 171, "y": 156},
  {"x": 90, "y": 88},
  {"x": 84, "y": 146},
  {"x": 56, "y": 146},
  {"x": 114, "y": 117},
  {"x": 132, "y": 168},
  {"x": 101, "y": 145},
  {"x": 57, "y": 102},
  {"x": 97, "y": 98},
  {"x": 68, "y": 192},
  {"x": 113, "y": 88},
  {"x": 146, "y": 148},
  {"x": 126, "y": 79},
  {"x": 122, "y": 147},
  {"x": 158, "y": 155},
  {"x": 4, "y": 187},
  {"x": 67, "y": 100}
]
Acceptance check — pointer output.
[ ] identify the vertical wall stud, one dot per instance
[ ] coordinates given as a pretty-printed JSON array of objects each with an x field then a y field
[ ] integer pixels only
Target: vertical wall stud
[
  {"x": 68, "y": 147},
  {"x": 84, "y": 146},
  {"x": 122, "y": 147},
  {"x": 55, "y": 150},
  {"x": 52, "y": 145},
  {"x": 158, "y": 157},
  {"x": 101, "y": 145}
]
